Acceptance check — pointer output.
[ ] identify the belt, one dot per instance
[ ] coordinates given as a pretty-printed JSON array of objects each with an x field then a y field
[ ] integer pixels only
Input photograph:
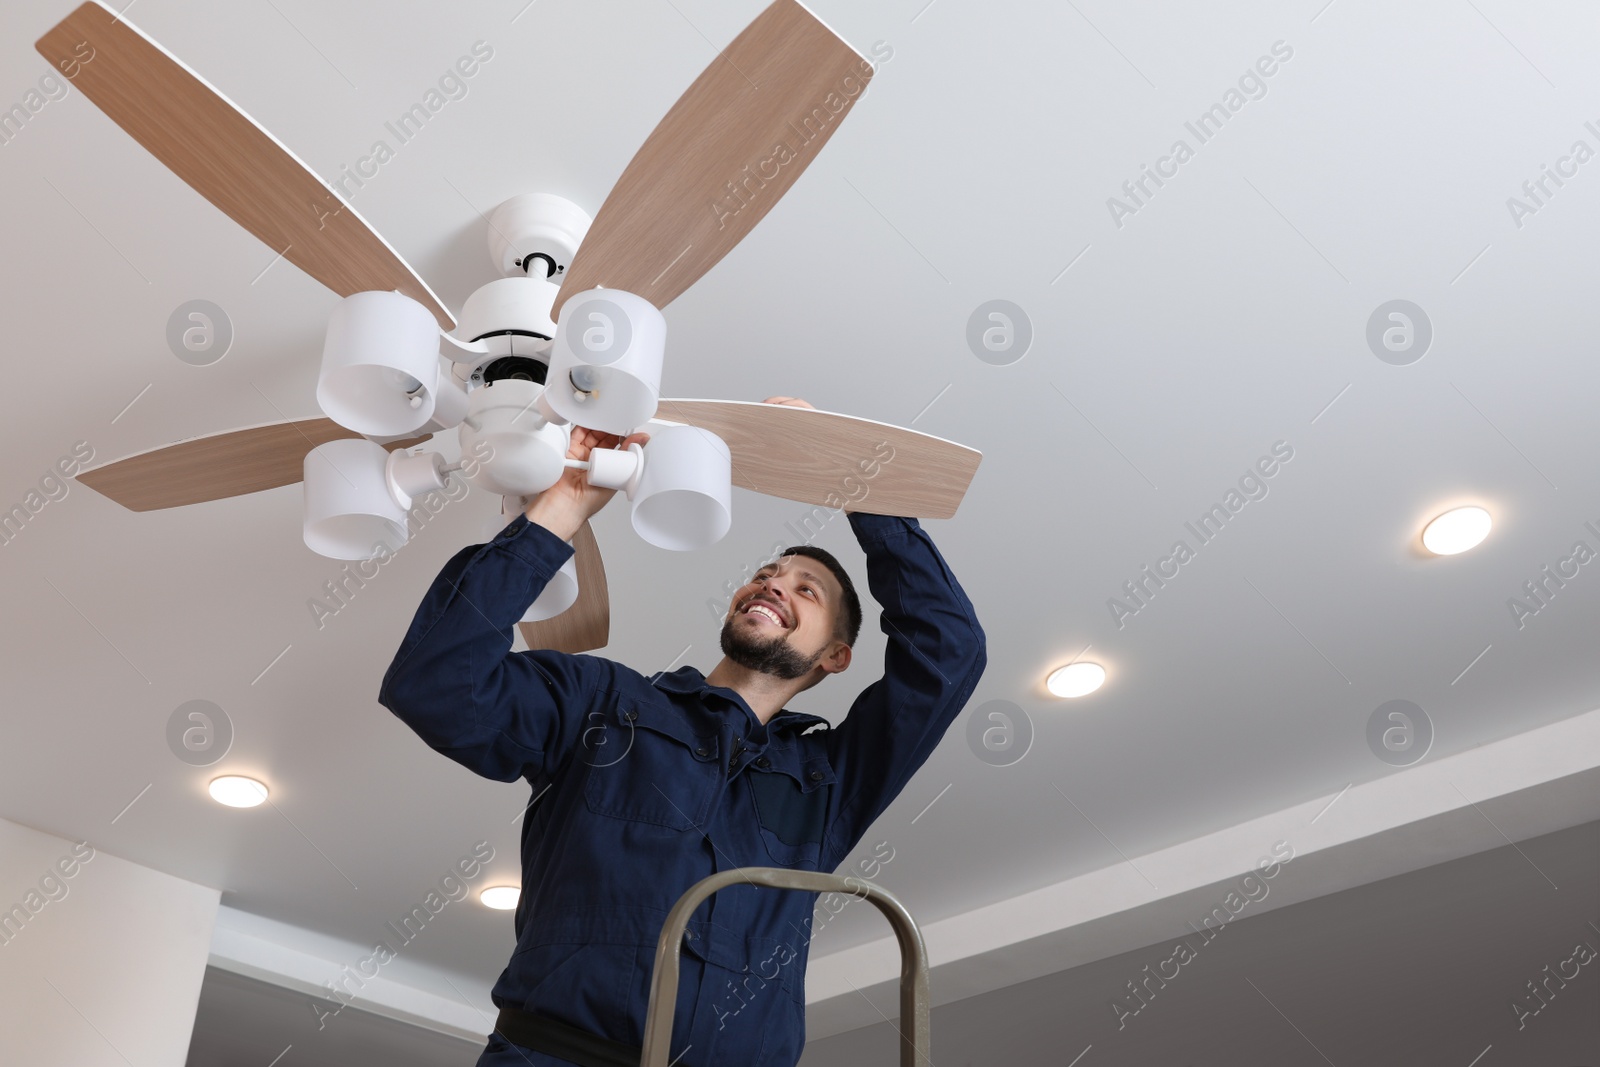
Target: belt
[{"x": 567, "y": 1042}]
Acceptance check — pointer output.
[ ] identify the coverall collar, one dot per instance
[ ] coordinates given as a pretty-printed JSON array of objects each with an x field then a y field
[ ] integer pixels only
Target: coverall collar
[{"x": 688, "y": 681}]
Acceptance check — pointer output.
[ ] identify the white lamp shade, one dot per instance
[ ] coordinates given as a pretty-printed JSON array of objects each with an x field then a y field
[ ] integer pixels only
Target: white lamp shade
[
  {"x": 526, "y": 454},
  {"x": 380, "y": 364},
  {"x": 349, "y": 509},
  {"x": 683, "y": 497},
  {"x": 559, "y": 595},
  {"x": 605, "y": 364}
]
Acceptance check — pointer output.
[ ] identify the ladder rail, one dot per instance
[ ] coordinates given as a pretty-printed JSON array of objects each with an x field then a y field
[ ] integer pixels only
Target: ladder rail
[{"x": 914, "y": 1045}]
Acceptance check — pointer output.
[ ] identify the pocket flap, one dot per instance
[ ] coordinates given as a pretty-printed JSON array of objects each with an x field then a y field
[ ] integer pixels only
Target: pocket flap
[
  {"x": 616, "y": 722},
  {"x": 793, "y": 809}
]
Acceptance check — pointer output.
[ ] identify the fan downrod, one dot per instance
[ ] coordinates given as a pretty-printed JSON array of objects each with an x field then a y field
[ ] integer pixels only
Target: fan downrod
[{"x": 536, "y": 234}]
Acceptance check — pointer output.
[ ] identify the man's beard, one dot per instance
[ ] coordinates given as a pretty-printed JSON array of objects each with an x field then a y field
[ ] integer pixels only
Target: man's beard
[{"x": 774, "y": 656}]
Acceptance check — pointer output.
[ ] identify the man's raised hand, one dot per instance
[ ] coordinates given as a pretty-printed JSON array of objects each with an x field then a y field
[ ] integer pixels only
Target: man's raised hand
[{"x": 572, "y": 501}]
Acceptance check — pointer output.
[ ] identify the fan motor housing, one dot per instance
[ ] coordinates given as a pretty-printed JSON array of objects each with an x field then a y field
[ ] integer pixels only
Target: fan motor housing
[
  {"x": 532, "y": 239},
  {"x": 526, "y": 451},
  {"x": 511, "y": 316}
]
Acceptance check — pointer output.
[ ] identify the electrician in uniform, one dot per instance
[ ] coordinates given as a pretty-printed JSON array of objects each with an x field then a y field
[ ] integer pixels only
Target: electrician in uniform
[{"x": 645, "y": 785}]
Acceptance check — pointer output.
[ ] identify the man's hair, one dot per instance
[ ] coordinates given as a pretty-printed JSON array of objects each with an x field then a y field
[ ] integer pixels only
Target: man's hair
[{"x": 847, "y": 620}]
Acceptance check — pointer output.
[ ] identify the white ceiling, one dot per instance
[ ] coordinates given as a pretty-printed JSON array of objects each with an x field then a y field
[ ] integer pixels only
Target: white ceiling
[{"x": 1228, "y": 314}]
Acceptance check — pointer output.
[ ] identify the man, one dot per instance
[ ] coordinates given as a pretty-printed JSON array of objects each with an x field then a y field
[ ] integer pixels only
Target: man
[{"x": 642, "y": 786}]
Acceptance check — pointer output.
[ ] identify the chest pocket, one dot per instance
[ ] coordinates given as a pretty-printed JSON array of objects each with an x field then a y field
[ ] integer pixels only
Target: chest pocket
[
  {"x": 646, "y": 764},
  {"x": 793, "y": 811}
]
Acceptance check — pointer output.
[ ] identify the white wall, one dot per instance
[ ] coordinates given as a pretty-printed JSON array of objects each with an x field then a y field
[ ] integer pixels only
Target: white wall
[{"x": 102, "y": 964}]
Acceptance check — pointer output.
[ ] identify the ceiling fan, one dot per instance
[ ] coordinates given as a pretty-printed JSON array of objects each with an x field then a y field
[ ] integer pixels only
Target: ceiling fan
[{"x": 718, "y": 161}]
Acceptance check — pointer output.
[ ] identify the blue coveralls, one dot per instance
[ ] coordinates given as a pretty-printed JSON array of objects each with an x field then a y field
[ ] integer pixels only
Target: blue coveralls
[{"x": 646, "y": 785}]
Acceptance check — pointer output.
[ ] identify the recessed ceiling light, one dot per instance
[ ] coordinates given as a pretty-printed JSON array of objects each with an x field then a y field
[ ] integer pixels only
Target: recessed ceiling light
[
  {"x": 236, "y": 791},
  {"x": 1456, "y": 531},
  {"x": 1076, "y": 679},
  {"x": 500, "y": 897}
]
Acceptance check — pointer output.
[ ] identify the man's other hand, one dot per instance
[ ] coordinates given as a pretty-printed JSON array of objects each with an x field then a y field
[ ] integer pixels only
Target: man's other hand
[{"x": 572, "y": 501}]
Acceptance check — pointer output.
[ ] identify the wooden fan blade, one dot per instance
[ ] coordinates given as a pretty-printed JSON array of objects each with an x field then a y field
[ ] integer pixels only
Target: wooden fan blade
[
  {"x": 587, "y": 624},
  {"x": 730, "y": 147},
  {"x": 833, "y": 460},
  {"x": 222, "y": 465},
  {"x": 225, "y": 156}
]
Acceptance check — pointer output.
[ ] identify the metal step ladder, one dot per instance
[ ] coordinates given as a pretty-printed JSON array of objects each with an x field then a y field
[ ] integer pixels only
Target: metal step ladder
[{"x": 914, "y": 1038}]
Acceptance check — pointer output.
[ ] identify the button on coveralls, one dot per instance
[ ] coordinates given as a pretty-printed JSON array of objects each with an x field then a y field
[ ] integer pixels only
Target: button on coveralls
[{"x": 644, "y": 786}]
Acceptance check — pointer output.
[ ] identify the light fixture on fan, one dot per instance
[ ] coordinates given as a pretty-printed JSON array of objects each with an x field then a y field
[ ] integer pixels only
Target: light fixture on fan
[
  {"x": 526, "y": 451},
  {"x": 357, "y": 495},
  {"x": 605, "y": 365},
  {"x": 680, "y": 484},
  {"x": 383, "y": 378},
  {"x": 380, "y": 367}
]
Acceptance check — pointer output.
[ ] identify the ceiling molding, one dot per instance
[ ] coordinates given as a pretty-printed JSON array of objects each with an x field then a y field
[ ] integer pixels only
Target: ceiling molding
[
  {"x": 318, "y": 965},
  {"x": 1521, "y": 787}
]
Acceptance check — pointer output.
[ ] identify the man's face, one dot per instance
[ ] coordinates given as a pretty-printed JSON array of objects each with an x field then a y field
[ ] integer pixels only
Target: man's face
[{"x": 782, "y": 621}]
